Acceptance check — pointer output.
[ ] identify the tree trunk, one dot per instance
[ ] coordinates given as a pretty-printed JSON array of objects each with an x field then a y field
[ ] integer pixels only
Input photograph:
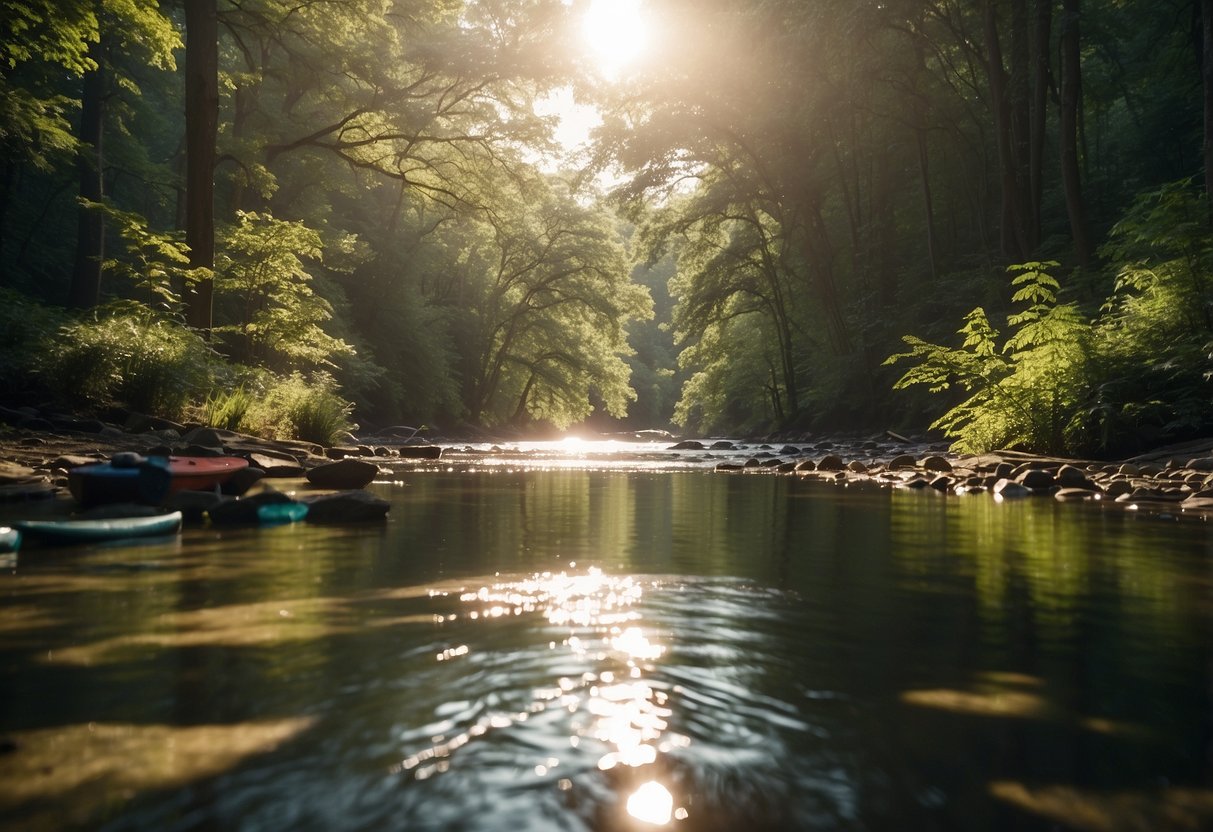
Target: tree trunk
[
  {"x": 928, "y": 207},
  {"x": 1071, "y": 86},
  {"x": 1014, "y": 245},
  {"x": 1037, "y": 116},
  {"x": 1206, "y": 75},
  {"x": 201, "y": 124},
  {"x": 85, "y": 290}
]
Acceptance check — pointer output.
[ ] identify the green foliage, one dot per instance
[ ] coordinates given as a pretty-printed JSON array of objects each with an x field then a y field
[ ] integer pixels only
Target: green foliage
[
  {"x": 1032, "y": 391},
  {"x": 264, "y": 287},
  {"x": 301, "y": 407},
  {"x": 154, "y": 263},
  {"x": 228, "y": 409},
  {"x": 1156, "y": 330},
  {"x": 128, "y": 356},
  {"x": 26, "y": 329}
]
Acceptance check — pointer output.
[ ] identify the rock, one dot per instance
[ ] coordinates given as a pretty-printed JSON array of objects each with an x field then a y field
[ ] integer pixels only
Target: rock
[
  {"x": 194, "y": 449},
  {"x": 941, "y": 483},
  {"x": 831, "y": 462},
  {"x": 1009, "y": 489},
  {"x": 209, "y": 437},
  {"x": 1035, "y": 478},
  {"x": 69, "y": 461},
  {"x": 723, "y": 446},
  {"x": 1149, "y": 469},
  {"x": 786, "y": 467},
  {"x": 243, "y": 511},
  {"x": 1075, "y": 494},
  {"x": 772, "y": 463},
  {"x": 1204, "y": 463},
  {"x": 274, "y": 467},
  {"x": 193, "y": 505},
  {"x": 687, "y": 445},
  {"x": 729, "y": 466},
  {"x": 902, "y": 461},
  {"x": 1117, "y": 487},
  {"x": 1069, "y": 476},
  {"x": 789, "y": 450},
  {"x": 1004, "y": 470},
  {"x": 242, "y": 480},
  {"x": 1197, "y": 503},
  {"x": 346, "y": 507},
  {"x": 936, "y": 463},
  {"x": 344, "y": 474},
  {"x": 806, "y": 465},
  {"x": 12, "y": 473},
  {"x": 751, "y": 463},
  {"x": 916, "y": 483},
  {"x": 1128, "y": 469},
  {"x": 857, "y": 467}
]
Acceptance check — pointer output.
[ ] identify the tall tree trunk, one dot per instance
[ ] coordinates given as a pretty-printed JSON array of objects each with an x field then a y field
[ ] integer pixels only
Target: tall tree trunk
[
  {"x": 85, "y": 290},
  {"x": 201, "y": 124},
  {"x": 1206, "y": 75},
  {"x": 1019, "y": 91},
  {"x": 928, "y": 207},
  {"x": 1037, "y": 116},
  {"x": 1071, "y": 87},
  {"x": 1014, "y": 244}
]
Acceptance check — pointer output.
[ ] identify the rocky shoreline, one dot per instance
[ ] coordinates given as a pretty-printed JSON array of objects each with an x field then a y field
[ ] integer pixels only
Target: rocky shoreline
[
  {"x": 1166, "y": 480},
  {"x": 37, "y": 450}
]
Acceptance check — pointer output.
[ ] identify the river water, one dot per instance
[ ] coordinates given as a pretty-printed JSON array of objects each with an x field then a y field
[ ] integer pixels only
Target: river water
[{"x": 592, "y": 648}]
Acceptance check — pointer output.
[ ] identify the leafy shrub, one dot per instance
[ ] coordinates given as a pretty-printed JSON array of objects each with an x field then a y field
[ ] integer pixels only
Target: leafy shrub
[
  {"x": 301, "y": 407},
  {"x": 1032, "y": 392},
  {"x": 129, "y": 356},
  {"x": 26, "y": 329}
]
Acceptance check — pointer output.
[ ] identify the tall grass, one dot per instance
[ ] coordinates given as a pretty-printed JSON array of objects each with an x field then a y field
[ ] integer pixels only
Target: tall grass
[{"x": 127, "y": 356}]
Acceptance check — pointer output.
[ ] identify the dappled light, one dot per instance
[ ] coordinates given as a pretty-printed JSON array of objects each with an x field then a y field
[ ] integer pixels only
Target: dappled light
[
  {"x": 63, "y": 776},
  {"x": 1168, "y": 807}
]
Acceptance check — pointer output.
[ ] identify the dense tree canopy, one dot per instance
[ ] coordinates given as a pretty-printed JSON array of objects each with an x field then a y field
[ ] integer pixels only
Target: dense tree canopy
[{"x": 370, "y": 190}]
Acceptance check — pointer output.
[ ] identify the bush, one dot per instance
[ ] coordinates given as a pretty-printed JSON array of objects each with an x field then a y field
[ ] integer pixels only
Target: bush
[
  {"x": 131, "y": 357},
  {"x": 299, "y": 407},
  {"x": 26, "y": 330},
  {"x": 1032, "y": 392}
]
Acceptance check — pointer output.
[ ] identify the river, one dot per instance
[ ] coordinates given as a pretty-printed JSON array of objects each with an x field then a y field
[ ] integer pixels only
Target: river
[{"x": 620, "y": 648}]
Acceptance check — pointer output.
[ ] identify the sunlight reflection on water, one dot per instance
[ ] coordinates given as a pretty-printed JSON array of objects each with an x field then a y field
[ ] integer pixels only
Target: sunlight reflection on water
[{"x": 617, "y": 709}]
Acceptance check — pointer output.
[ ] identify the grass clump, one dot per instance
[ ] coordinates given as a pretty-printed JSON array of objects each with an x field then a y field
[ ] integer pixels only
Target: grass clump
[{"x": 129, "y": 357}]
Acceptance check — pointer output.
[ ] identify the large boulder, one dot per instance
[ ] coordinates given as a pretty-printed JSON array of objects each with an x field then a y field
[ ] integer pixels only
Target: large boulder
[{"x": 343, "y": 474}]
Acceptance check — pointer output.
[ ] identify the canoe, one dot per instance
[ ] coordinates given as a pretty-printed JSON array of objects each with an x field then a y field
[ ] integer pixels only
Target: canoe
[
  {"x": 110, "y": 528},
  {"x": 10, "y": 539},
  {"x": 135, "y": 479}
]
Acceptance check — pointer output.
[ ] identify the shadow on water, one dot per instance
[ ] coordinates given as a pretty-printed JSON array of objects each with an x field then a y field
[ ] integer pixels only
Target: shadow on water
[{"x": 580, "y": 650}]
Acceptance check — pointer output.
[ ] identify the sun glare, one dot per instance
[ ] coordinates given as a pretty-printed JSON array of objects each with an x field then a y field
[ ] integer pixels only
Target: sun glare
[{"x": 616, "y": 32}]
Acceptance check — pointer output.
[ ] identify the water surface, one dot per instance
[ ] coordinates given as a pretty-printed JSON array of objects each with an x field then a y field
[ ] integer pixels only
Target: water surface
[{"x": 573, "y": 649}]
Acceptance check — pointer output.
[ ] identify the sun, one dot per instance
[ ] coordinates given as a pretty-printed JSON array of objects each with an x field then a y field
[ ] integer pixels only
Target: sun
[{"x": 617, "y": 34}]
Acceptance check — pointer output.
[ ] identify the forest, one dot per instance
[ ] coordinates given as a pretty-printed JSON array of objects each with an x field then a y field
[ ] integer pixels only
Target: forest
[{"x": 986, "y": 218}]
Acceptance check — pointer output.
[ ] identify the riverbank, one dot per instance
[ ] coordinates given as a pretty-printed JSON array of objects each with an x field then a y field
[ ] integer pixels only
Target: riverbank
[{"x": 35, "y": 458}]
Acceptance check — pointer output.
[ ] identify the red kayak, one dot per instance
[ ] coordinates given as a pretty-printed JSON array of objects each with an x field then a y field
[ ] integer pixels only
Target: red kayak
[{"x": 130, "y": 478}]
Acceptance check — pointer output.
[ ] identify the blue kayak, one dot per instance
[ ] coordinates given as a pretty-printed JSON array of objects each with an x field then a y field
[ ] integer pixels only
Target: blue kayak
[{"x": 110, "y": 528}]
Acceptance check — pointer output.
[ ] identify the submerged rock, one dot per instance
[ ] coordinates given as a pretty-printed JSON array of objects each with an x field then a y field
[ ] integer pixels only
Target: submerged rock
[
  {"x": 244, "y": 511},
  {"x": 346, "y": 507}
]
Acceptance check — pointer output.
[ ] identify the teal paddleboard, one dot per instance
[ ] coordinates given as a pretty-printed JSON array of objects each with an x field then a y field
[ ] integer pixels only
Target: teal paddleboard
[
  {"x": 10, "y": 539},
  {"x": 110, "y": 528}
]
